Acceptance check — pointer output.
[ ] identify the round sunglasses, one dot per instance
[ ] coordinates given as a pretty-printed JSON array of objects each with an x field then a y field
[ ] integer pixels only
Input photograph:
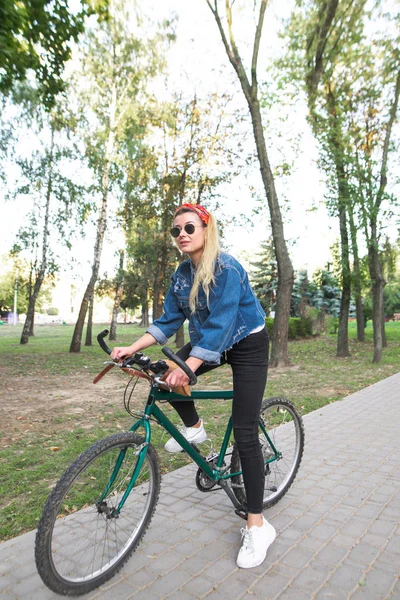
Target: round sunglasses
[{"x": 189, "y": 228}]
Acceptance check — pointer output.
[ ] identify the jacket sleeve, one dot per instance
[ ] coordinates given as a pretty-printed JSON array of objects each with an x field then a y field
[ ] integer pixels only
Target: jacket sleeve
[
  {"x": 170, "y": 321},
  {"x": 219, "y": 326}
]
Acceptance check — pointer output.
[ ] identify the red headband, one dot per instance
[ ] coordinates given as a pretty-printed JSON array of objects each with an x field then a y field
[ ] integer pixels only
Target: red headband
[{"x": 198, "y": 209}]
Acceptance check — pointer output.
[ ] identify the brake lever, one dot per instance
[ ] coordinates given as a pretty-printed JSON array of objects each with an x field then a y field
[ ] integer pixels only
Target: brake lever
[{"x": 162, "y": 384}]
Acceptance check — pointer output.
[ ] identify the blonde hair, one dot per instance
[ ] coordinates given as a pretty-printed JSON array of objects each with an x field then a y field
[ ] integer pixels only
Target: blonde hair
[{"x": 204, "y": 275}]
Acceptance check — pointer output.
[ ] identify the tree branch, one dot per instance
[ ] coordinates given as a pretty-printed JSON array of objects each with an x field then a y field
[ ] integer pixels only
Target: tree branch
[
  {"x": 231, "y": 49},
  {"x": 256, "y": 46},
  {"x": 385, "y": 153},
  {"x": 322, "y": 34}
]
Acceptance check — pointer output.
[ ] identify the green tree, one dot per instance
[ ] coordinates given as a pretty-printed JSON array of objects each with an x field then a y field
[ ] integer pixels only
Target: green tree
[
  {"x": 115, "y": 66},
  {"x": 264, "y": 276},
  {"x": 188, "y": 165},
  {"x": 346, "y": 70},
  {"x": 56, "y": 203}
]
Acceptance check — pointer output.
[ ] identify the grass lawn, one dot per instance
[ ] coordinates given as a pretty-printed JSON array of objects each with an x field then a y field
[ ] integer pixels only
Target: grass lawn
[{"x": 51, "y": 411}]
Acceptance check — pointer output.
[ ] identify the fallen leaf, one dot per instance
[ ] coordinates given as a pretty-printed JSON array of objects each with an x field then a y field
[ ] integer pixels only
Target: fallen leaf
[{"x": 54, "y": 448}]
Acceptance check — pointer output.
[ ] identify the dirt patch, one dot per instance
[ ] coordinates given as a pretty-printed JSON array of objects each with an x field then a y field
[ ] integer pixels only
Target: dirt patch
[{"x": 45, "y": 404}]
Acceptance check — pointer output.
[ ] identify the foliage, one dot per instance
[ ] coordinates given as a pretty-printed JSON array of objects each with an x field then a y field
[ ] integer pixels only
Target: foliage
[
  {"x": 264, "y": 276},
  {"x": 36, "y": 36},
  {"x": 298, "y": 327},
  {"x": 188, "y": 164},
  {"x": 21, "y": 273}
]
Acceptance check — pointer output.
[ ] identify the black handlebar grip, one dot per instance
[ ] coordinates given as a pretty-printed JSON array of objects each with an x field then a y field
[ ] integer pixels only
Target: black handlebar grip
[
  {"x": 192, "y": 377},
  {"x": 100, "y": 339}
]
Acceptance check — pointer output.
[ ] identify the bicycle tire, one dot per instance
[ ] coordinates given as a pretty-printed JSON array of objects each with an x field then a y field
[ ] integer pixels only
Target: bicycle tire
[
  {"x": 287, "y": 434},
  {"x": 80, "y": 542}
]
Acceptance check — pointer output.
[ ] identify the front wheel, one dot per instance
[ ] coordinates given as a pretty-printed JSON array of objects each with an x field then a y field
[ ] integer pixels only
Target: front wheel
[
  {"x": 281, "y": 436},
  {"x": 84, "y": 537}
]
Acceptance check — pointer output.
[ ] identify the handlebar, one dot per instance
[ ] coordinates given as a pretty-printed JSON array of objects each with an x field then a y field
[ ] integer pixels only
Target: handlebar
[
  {"x": 167, "y": 351},
  {"x": 100, "y": 339},
  {"x": 171, "y": 355}
]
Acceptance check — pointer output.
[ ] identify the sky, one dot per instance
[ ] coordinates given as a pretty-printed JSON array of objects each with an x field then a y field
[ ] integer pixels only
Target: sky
[{"x": 197, "y": 61}]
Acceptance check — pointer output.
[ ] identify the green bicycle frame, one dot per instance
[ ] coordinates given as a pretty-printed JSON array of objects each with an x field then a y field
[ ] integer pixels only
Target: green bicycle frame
[{"x": 152, "y": 411}]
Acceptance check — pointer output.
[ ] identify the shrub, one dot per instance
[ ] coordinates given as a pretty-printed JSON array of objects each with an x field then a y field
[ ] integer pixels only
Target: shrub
[
  {"x": 52, "y": 311},
  {"x": 297, "y": 327}
]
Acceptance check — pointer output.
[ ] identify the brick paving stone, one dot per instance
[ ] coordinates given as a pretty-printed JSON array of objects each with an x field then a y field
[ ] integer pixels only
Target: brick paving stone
[
  {"x": 141, "y": 578},
  {"x": 165, "y": 562},
  {"x": 168, "y": 583},
  {"x": 312, "y": 577},
  {"x": 363, "y": 554},
  {"x": 235, "y": 586},
  {"x": 346, "y": 577},
  {"x": 194, "y": 565},
  {"x": 122, "y": 591},
  {"x": 394, "y": 544},
  {"x": 180, "y": 595},
  {"x": 382, "y": 527},
  {"x": 356, "y": 527},
  {"x": 293, "y": 593},
  {"x": 198, "y": 586},
  {"x": 323, "y": 531},
  {"x": 219, "y": 569},
  {"x": 213, "y": 551},
  {"x": 276, "y": 579},
  {"x": 145, "y": 594},
  {"x": 330, "y": 592},
  {"x": 377, "y": 584},
  {"x": 154, "y": 549},
  {"x": 331, "y": 554},
  {"x": 297, "y": 558}
]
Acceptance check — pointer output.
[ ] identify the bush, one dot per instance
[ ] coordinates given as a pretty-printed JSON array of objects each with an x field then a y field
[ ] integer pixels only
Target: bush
[
  {"x": 53, "y": 311},
  {"x": 297, "y": 327}
]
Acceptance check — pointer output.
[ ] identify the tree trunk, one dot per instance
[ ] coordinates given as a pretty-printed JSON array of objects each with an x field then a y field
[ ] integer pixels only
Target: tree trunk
[
  {"x": 384, "y": 340},
  {"x": 158, "y": 304},
  {"x": 101, "y": 227},
  {"x": 343, "y": 330},
  {"x": 279, "y": 354},
  {"x": 180, "y": 337},
  {"x": 377, "y": 284},
  {"x": 30, "y": 316},
  {"x": 89, "y": 326},
  {"x": 119, "y": 288},
  {"x": 145, "y": 315},
  {"x": 356, "y": 278}
]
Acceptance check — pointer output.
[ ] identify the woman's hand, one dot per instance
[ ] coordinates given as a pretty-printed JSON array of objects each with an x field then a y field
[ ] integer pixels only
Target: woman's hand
[
  {"x": 176, "y": 377},
  {"x": 120, "y": 352}
]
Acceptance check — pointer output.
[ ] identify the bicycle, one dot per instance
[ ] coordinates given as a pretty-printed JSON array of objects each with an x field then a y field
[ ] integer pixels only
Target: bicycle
[{"x": 101, "y": 507}]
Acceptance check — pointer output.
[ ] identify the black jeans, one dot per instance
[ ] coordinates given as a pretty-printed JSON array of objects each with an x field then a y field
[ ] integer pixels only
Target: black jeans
[{"x": 249, "y": 361}]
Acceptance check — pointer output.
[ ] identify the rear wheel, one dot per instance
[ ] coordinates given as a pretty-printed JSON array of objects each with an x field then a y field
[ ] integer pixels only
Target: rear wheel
[
  {"x": 281, "y": 435},
  {"x": 83, "y": 539}
]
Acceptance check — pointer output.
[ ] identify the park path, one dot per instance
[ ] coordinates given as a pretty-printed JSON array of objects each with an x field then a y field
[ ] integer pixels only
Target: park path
[{"x": 338, "y": 526}]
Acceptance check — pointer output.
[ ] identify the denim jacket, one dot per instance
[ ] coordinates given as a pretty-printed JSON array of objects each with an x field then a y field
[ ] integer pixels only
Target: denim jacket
[{"x": 233, "y": 310}]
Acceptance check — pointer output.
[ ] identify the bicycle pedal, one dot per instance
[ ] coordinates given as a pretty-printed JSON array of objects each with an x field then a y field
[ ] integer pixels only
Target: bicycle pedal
[{"x": 240, "y": 512}]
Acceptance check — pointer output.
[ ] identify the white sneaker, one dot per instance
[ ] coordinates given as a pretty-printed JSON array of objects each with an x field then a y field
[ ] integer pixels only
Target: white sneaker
[
  {"x": 194, "y": 435},
  {"x": 255, "y": 544}
]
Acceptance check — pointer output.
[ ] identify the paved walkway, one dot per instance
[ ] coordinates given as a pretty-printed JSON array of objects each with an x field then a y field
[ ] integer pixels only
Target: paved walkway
[{"x": 338, "y": 526}]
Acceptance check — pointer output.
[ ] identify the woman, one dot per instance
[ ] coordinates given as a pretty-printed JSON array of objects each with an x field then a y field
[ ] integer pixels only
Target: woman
[{"x": 226, "y": 325}]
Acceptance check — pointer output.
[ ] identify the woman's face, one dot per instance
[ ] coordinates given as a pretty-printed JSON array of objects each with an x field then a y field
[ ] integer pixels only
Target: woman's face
[{"x": 193, "y": 243}]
